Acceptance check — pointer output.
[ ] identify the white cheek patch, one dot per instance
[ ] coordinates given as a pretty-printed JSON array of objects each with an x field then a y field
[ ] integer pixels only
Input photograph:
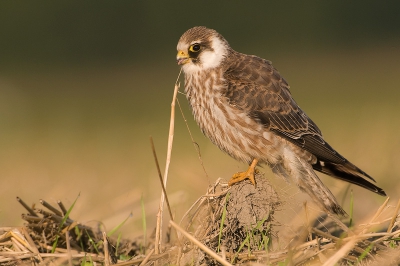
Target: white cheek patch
[
  {"x": 211, "y": 59},
  {"x": 208, "y": 59}
]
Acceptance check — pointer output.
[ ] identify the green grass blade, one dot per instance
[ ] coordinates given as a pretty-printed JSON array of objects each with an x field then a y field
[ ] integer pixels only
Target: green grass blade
[
  {"x": 62, "y": 223},
  {"x": 222, "y": 222},
  {"x": 257, "y": 230},
  {"x": 265, "y": 241},
  {"x": 54, "y": 245},
  {"x": 92, "y": 242},
  {"x": 259, "y": 223},
  {"x": 83, "y": 263},
  {"x": 117, "y": 245},
  {"x": 79, "y": 236},
  {"x": 245, "y": 241},
  {"x": 365, "y": 253},
  {"x": 87, "y": 263},
  {"x": 68, "y": 212},
  {"x": 119, "y": 226}
]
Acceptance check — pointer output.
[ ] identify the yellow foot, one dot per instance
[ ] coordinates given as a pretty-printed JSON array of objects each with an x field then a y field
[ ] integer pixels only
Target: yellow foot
[{"x": 244, "y": 175}]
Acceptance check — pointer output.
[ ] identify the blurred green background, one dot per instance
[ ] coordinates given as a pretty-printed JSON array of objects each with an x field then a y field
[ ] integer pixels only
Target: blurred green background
[{"x": 83, "y": 84}]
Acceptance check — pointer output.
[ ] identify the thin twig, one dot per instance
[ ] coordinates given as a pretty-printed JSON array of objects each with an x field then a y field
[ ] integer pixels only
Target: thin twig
[
  {"x": 153, "y": 258},
  {"x": 340, "y": 224},
  {"x": 392, "y": 234},
  {"x": 17, "y": 245},
  {"x": 202, "y": 200},
  {"x": 146, "y": 259},
  {"x": 30, "y": 242},
  {"x": 343, "y": 251},
  {"x": 29, "y": 209},
  {"x": 51, "y": 208},
  {"x": 160, "y": 176},
  {"x": 68, "y": 248},
  {"x": 378, "y": 212},
  {"x": 62, "y": 207},
  {"x": 324, "y": 234},
  {"x": 200, "y": 245},
  {"x": 196, "y": 146},
  {"x": 396, "y": 213},
  {"x": 366, "y": 236},
  {"x": 106, "y": 251},
  {"x": 158, "y": 238}
]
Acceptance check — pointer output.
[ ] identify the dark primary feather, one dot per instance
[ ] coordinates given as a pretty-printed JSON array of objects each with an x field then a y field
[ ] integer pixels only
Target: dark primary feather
[{"x": 271, "y": 104}]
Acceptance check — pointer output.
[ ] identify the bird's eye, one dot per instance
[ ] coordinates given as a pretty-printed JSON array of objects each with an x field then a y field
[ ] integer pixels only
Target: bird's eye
[{"x": 194, "y": 47}]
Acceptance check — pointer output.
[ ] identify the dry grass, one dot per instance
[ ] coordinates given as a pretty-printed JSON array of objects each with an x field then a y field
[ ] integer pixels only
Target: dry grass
[
  {"x": 49, "y": 235},
  {"x": 216, "y": 230}
]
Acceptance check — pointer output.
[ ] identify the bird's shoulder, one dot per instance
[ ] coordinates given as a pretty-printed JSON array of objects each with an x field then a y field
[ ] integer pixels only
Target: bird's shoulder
[
  {"x": 256, "y": 87},
  {"x": 243, "y": 68}
]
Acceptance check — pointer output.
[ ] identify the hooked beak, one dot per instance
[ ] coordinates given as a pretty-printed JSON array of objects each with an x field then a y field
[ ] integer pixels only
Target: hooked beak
[{"x": 182, "y": 58}]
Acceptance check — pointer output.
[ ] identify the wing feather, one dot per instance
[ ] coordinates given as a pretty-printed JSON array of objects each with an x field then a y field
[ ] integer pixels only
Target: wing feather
[{"x": 257, "y": 88}]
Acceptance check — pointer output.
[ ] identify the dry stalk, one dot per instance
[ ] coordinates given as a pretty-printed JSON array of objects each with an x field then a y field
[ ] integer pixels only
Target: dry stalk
[
  {"x": 153, "y": 258},
  {"x": 388, "y": 235},
  {"x": 32, "y": 245},
  {"x": 378, "y": 212},
  {"x": 396, "y": 213},
  {"x": 146, "y": 259},
  {"x": 62, "y": 207},
  {"x": 68, "y": 248},
  {"x": 340, "y": 224},
  {"x": 343, "y": 251},
  {"x": 29, "y": 209},
  {"x": 158, "y": 238},
  {"x": 51, "y": 208},
  {"x": 203, "y": 198},
  {"x": 200, "y": 245},
  {"x": 160, "y": 177},
  {"x": 106, "y": 251}
]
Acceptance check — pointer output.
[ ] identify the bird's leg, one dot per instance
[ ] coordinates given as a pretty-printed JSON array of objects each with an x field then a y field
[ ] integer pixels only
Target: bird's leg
[{"x": 243, "y": 175}]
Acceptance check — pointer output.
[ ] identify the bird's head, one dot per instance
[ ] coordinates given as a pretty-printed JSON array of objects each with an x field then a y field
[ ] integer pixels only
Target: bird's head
[{"x": 200, "y": 48}]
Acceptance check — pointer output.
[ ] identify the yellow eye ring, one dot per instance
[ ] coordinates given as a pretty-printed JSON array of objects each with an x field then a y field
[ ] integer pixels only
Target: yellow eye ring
[{"x": 194, "y": 47}]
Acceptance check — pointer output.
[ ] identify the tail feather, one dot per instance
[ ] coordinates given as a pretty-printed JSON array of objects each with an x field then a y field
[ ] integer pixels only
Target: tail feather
[
  {"x": 312, "y": 185},
  {"x": 349, "y": 173},
  {"x": 307, "y": 180}
]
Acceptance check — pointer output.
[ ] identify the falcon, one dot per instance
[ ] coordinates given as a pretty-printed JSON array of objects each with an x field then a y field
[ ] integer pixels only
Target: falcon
[{"x": 244, "y": 106}]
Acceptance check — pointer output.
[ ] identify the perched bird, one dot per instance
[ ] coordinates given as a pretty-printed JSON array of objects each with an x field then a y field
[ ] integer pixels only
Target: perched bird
[{"x": 244, "y": 106}]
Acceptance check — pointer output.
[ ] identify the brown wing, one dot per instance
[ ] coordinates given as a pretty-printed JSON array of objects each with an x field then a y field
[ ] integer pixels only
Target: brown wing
[{"x": 257, "y": 88}]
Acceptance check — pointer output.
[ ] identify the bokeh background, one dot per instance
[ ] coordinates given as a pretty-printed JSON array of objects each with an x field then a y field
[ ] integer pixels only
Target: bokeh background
[{"x": 83, "y": 84}]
